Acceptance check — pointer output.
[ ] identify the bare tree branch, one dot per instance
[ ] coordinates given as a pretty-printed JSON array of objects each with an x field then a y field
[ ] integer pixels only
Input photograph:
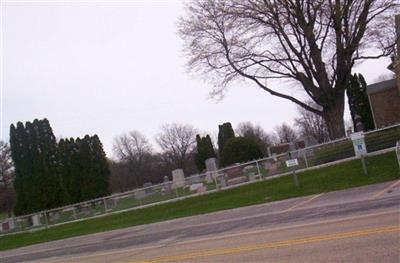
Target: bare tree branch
[{"x": 314, "y": 43}]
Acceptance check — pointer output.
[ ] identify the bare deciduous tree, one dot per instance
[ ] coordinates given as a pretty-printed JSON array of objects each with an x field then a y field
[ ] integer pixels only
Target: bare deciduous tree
[
  {"x": 313, "y": 43},
  {"x": 7, "y": 193},
  {"x": 133, "y": 149},
  {"x": 285, "y": 133},
  {"x": 6, "y": 166},
  {"x": 178, "y": 143},
  {"x": 312, "y": 125},
  {"x": 256, "y": 133}
]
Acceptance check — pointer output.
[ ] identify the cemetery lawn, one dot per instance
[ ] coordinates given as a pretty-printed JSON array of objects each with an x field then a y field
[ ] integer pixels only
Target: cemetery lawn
[{"x": 346, "y": 175}]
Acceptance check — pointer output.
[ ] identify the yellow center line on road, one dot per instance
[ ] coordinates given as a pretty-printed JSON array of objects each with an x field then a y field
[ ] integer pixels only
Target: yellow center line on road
[
  {"x": 380, "y": 193},
  {"x": 303, "y": 203},
  {"x": 277, "y": 244}
]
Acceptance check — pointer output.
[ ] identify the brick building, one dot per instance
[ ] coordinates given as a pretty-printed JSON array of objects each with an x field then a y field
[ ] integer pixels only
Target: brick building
[{"x": 384, "y": 96}]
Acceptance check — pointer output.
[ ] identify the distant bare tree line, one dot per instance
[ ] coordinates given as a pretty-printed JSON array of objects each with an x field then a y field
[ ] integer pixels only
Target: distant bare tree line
[
  {"x": 7, "y": 193},
  {"x": 138, "y": 163}
]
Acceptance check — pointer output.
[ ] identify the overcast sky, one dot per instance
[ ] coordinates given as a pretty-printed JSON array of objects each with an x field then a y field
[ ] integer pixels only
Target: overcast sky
[{"x": 108, "y": 68}]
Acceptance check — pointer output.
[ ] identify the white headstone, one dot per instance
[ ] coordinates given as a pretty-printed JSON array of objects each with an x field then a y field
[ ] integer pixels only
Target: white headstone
[
  {"x": 148, "y": 184},
  {"x": 55, "y": 215},
  {"x": 194, "y": 187},
  {"x": 222, "y": 181},
  {"x": 148, "y": 189},
  {"x": 166, "y": 185},
  {"x": 178, "y": 178},
  {"x": 35, "y": 220},
  {"x": 7, "y": 225},
  {"x": 211, "y": 164},
  {"x": 140, "y": 194},
  {"x": 11, "y": 224},
  {"x": 212, "y": 167}
]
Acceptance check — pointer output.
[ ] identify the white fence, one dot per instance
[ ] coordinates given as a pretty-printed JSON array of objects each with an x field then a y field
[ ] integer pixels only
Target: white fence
[{"x": 229, "y": 177}]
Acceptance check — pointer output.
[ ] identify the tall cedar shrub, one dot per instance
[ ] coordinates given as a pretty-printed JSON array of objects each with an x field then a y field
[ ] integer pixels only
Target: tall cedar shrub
[
  {"x": 37, "y": 172},
  {"x": 359, "y": 102},
  {"x": 205, "y": 150},
  {"x": 69, "y": 159},
  {"x": 225, "y": 133},
  {"x": 100, "y": 167},
  {"x": 93, "y": 167},
  {"x": 51, "y": 174},
  {"x": 239, "y": 150}
]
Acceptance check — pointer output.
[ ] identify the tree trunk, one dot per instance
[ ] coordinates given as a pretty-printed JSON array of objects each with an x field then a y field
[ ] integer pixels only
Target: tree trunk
[{"x": 333, "y": 116}]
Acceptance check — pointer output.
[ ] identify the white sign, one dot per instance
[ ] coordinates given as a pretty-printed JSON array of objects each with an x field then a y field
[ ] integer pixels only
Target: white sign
[
  {"x": 293, "y": 162},
  {"x": 358, "y": 143}
]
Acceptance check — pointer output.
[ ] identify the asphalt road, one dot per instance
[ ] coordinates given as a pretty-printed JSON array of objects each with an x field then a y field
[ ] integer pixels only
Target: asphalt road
[{"x": 355, "y": 225}]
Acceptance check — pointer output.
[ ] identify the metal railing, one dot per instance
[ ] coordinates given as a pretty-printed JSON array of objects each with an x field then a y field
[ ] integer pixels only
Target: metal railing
[{"x": 228, "y": 177}]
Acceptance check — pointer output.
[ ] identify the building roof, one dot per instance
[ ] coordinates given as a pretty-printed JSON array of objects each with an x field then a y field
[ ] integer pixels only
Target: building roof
[{"x": 381, "y": 86}]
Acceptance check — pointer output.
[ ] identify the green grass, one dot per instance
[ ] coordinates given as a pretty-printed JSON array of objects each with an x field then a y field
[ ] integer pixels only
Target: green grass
[
  {"x": 381, "y": 168},
  {"x": 333, "y": 152},
  {"x": 156, "y": 196},
  {"x": 382, "y": 139}
]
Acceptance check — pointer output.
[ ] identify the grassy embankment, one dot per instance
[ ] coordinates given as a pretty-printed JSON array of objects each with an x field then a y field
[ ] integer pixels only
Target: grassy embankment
[{"x": 346, "y": 175}]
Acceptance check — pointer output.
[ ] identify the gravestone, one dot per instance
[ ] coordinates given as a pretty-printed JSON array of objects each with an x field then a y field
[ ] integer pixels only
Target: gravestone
[
  {"x": 178, "y": 178},
  {"x": 7, "y": 225},
  {"x": 237, "y": 180},
  {"x": 110, "y": 203},
  {"x": 54, "y": 216},
  {"x": 252, "y": 176},
  {"x": 202, "y": 189},
  {"x": 84, "y": 210},
  {"x": 269, "y": 152},
  {"x": 195, "y": 187},
  {"x": 140, "y": 194},
  {"x": 250, "y": 171},
  {"x": 194, "y": 179},
  {"x": 221, "y": 181},
  {"x": 212, "y": 167},
  {"x": 147, "y": 188},
  {"x": 115, "y": 202},
  {"x": 35, "y": 220},
  {"x": 11, "y": 224},
  {"x": 167, "y": 185},
  {"x": 359, "y": 126},
  {"x": 309, "y": 141},
  {"x": 148, "y": 184}
]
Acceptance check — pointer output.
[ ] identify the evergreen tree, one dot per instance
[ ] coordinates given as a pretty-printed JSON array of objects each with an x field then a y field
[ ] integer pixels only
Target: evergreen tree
[
  {"x": 38, "y": 181},
  {"x": 19, "y": 149},
  {"x": 359, "y": 102},
  {"x": 205, "y": 150},
  {"x": 225, "y": 133},
  {"x": 93, "y": 168},
  {"x": 69, "y": 160},
  {"x": 56, "y": 194},
  {"x": 50, "y": 174},
  {"x": 238, "y": 150},
  {"x": 100, "y": 167}
]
